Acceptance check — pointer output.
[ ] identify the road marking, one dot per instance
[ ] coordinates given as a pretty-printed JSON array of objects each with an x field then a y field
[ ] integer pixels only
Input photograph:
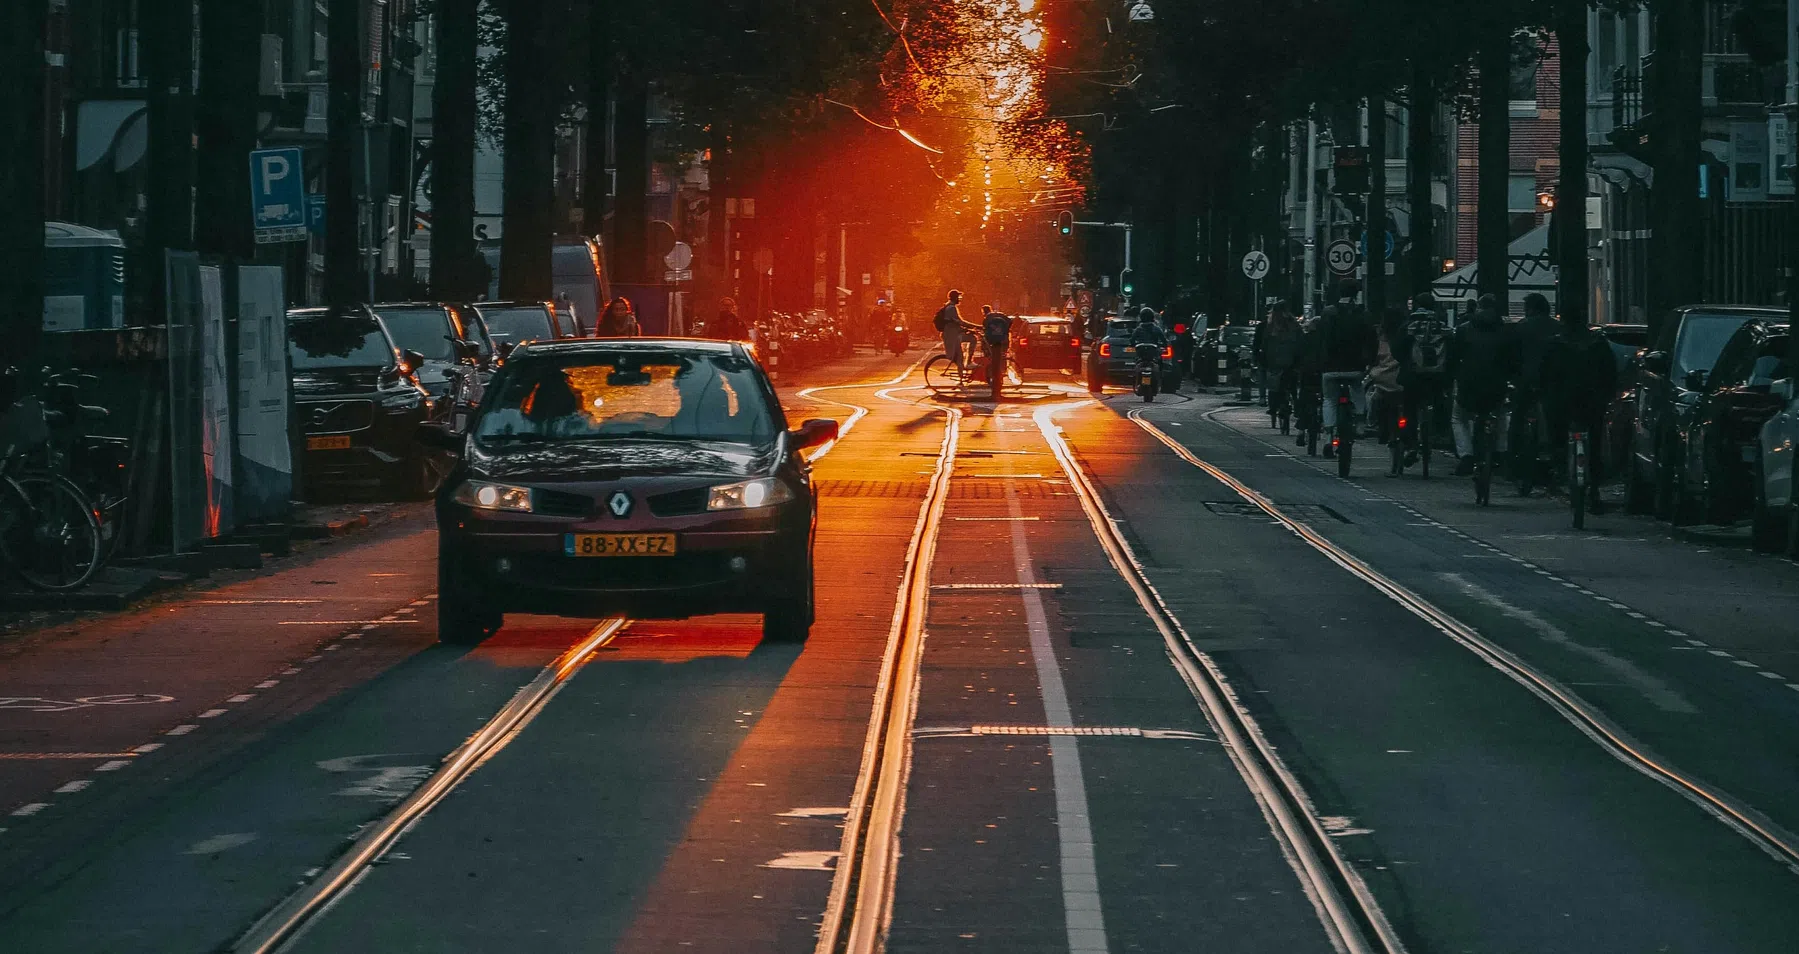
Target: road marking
[
  {"x": 996, "y": 586},
  {"x": 814, "y": 813},
  {"x": 252, "y": 602},
  {"x": 212, "y": 713},
  {"x": 1081, "y": 905},
  {"x": 1771, "y": 675},
  {"x": 26, "y": 811},
  {"x": 242, "y": 697},
  {"x": 986, "y": 519},
  {"x": 268, "y": 684},
  {"x": 805, "y": 861},
  {"x": 340, "y": 622},
  {"x": 218, "y": 843},
  {"x": 182, "y": 729},
  {"x": 47, "y": 756},
  {"x": 147, "y": 748},
  {"x": 71, "y": 788},
  {"x": 1659, "y": 693},
  {"x": 113, "y": 766}
]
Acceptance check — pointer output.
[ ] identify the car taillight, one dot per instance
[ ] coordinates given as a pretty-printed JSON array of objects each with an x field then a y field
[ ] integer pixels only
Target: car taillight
[
  {"x": 1074, "y": 342},
  {"x": 1168, "y": 351},
  {"x": 1180, "y": 329},
  {"x": 1403, "y": 423},
  {"x": 1105, "y": 350}
]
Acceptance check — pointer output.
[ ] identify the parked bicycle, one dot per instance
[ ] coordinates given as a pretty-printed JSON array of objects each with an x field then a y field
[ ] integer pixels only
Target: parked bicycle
[
  {"x": 99, "y": 465},
  {"x": 49, "y": 535}
]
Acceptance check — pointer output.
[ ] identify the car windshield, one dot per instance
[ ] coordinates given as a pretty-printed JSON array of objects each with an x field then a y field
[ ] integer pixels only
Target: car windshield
[
  {"x": 628, "y": 394},
  {"x": 1120, "y": 329},
  {"x": 1702, "y": 339},
  {"x": 425, "y": 330},
  {"x": 338, "y": 341},
  {"x": 519, "y": 324}
]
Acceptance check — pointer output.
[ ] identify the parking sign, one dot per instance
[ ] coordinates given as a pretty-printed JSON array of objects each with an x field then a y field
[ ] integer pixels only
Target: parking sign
[{"x": 277, "y": 195}]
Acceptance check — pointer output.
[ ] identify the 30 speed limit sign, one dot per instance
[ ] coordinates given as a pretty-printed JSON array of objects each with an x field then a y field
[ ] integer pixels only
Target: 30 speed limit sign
[
  {"x": 1341, "y": 257},
  {"x": 1255, "y": 266}
]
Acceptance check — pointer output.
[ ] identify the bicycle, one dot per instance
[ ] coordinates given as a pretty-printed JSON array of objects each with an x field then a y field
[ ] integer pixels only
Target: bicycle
[
  {"x": 1280, "y": 402},
  {"x": 1311, "y": 416},
  {"x": 49, "y": 535},
  {"x": 942, "y": 373},
  {"x": 1578, "y": 448},
  {"x": 1344, "y": 424},
  {"x": 97, "y": 464},
  {"x": 1485, "y": 424}
]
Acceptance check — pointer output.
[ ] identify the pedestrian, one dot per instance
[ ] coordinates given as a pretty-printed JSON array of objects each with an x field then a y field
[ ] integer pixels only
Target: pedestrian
[
  {"x": 1483, "y": 363},
  {"x": 948, "y": 322},
  {"x": 1536, "y": 333},
  {"x": 728, "y": 326},
  {"x": 618, "y": 321}
]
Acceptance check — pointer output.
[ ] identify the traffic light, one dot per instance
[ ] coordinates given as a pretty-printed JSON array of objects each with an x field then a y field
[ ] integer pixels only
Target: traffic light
[
  {"x": 1127, "y": 285},
  {"x": 1065, "y": 223}
]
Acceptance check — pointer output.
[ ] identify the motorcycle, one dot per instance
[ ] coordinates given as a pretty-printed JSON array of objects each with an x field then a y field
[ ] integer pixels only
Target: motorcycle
[
  {"x": 898, "y": 339},
  {"x": 1149, "y": 370}
]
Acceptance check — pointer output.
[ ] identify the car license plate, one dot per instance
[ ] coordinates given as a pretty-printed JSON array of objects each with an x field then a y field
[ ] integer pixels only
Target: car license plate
[
  {"x": 328, "y": 443},
  {"x": 618, "y": 544}
]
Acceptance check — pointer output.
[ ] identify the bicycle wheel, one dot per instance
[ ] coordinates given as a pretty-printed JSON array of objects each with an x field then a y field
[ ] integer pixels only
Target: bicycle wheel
[
  {"x": 53, "y": 540},
  {"x": 1483, "y": 463},
  {"x": 1424, "y": 414},
  {"x": 941, "y": 374},
  {"x": 1343, "y": 453}
]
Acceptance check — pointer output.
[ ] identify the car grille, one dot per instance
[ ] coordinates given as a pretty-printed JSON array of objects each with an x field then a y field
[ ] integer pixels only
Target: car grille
[
  {"x": 681, "y": 503},
  {"x": 627, "y": 573},
  {"x": 558, "y": 503},
  {"x": 336, "y": 417}
]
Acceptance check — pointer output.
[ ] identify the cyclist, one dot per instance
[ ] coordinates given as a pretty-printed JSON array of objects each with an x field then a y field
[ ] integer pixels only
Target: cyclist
[
  {"x": 1536, "y": 334},
  {"x": 950, "y": 325},
  {"x": 1389, "y": 395},
  {"x": 1423, "y": 351},
  {"x": 1483, "y": 362},
  {"x": 996, "y": 331},
  {"x": 1348, "y": 347},
  {"x": 1580, "y": 376},
  {"x": 1281, "y": 343}
]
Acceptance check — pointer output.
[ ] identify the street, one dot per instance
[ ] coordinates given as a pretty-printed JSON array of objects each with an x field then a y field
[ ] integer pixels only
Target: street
[{"x": 1087, "y": 675}]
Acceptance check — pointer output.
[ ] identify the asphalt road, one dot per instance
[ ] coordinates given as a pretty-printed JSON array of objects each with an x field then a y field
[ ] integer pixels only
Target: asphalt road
[{"x": 170, "y": 774}]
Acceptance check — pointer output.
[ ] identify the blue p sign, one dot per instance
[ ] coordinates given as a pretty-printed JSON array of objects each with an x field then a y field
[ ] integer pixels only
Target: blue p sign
[{"x": 277, "y": 189}]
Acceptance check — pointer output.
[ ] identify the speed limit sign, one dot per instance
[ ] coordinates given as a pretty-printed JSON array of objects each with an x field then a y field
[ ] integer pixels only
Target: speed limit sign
[
  {"x": 1341, "y": 257},
  {"x": 1255, "y": 265}
]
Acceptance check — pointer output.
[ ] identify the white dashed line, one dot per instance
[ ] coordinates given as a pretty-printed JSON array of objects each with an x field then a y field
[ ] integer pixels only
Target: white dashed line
[
  {"x": 75, "y": 786},
  {"x": 1721, "y": 654},
  {"x": 113, "y": 766},
  {"x": 1745, "y": 664},
  {"x": 1771, "y": 675},
  {"x": 26, "y": 811},
  {"x": 212, "y": 713},
  {"x": 241, "y": 697},
  {"x": 147, "y": 748},
  {"x": 268, "y": 684},
  {"x": 182, "y": 729}
]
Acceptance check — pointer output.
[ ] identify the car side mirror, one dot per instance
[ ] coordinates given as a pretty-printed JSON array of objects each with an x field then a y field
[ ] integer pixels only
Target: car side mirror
[
  {"x": 506, "y": 348},
  {"x": 466, "y": 350},
  {"x": 1695, "y": 380},
  {"x": 1657, "y": 362},
  {"x": 414, "y": 359},
  {"x": 814, "y": 432},
  {"x": 440, "y": 435}
]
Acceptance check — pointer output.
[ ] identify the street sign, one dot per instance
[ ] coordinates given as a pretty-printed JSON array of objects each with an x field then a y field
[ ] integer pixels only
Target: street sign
[
  {"x": 679, "y": 257},
  {"x": 1341, "y": 257},
  {"x": 1392, "y": 243},
  {"x": 1255, "y": 265},
  {"x": 1083, "y": 299},
  {"x": 277, "y": 195},
  {"x": 315, "y": 215}
]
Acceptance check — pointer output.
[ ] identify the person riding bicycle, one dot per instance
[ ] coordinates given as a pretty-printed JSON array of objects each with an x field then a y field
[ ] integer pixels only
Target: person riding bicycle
[
  {"x": 1580, "y": 377},
  {"x": 1282, "y": 345},
  {"x": 1537, "y": 333},
  {"x": 1348, "y": 346},
  {"x": 948, "y": 322},
  {"x": 1422, "y": 347},
  {"x": 1387, "y": 392},
  {"x": 1483, "y": 362}
]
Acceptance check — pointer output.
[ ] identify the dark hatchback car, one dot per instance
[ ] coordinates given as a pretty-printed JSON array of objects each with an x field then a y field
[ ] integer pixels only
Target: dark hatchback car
[
  {"x": 1048, "y": 342},
  {"x": 1669, "y": 386},
  {"x": 516, "y": 322},
  {"x": 1721, "y": 439},
  {"x": 1627, "y": 342},
  {"x": 450, "y": 337},
  {"x": 651, "y": 477},
  {"x": 359, "y": 404}
]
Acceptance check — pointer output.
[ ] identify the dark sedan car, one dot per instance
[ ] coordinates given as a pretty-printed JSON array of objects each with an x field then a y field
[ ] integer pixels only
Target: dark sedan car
[
  {"x": 448, "y": 336},
  {"x": 652, "y": 477},
  {"x": 1669, "y": 386},
  {"x": 1048, "y": 342},
  {"x": 359, "y": 404},
  {"x": 1720, "y": 441},
  {"x": 516, "y": 322}
]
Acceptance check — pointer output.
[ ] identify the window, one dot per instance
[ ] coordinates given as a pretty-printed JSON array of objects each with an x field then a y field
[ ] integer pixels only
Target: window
[
  {"x": 1521, "y": 194},
  {"x": 1524, "y": 82}
]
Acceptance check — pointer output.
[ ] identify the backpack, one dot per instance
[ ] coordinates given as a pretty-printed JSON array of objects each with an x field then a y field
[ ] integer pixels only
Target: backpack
[
  {"x": 942, "y": 319},
  {"x": 996, "y": 327},
  {"x": 1429, "y": 353}
]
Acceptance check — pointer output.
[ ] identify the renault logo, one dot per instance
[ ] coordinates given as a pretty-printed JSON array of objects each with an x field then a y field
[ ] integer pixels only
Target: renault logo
[{"x": 620, "y": 505}]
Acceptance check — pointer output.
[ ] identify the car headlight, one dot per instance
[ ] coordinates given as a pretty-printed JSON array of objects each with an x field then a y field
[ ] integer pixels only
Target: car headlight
[
  {"x": 482, "y": 495},
  {"x": 762, "y": 492}
]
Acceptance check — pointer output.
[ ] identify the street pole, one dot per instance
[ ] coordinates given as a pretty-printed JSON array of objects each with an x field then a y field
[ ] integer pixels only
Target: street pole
[
  {"x": 22, "y": 28},
  {"x": 1311, "y": 216},
  {"x": 1792, "y": 139}
]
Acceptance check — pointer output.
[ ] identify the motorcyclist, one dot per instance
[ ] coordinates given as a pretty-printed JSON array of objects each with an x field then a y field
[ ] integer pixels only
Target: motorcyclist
[
  {"x": 1579, "y": 378},
  {"x": 1348, "y": 344},
  {"x": 1537, "y": 334},
  {"x": 1483, "y": 362}
]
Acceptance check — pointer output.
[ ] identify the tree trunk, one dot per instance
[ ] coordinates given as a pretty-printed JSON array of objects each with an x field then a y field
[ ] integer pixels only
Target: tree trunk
[
  {"x": 1674, "y": 209},
  {"x": 1571, "y": 292},
  {"x": 529, "y": 188},
  {"x": 168, "y": 50},
  {"x": 1493, "y": 217},
  {"x": 1421, "y": 161},
  {"x": 344, "y": 280},
  {"x": 718, "y": 225},
  {"x": 225, "y": 118},
  {"x": 22, "y": 29},
  {"x": 600, "y": 62},
  {"x": 1375, "y": 224},
  {"x": 630, "y": 207},
  {"x": 454, "y": 275}
]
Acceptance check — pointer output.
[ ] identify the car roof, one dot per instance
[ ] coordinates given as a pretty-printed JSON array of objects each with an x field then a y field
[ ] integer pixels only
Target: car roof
[
  {"x": 409, "y": 304},
  {"x": 609, "y": 345},
  {"x": 1747, "y": 311},
  {"x": 1045, "y": 318},
  {"x": 478, "y": 305}
]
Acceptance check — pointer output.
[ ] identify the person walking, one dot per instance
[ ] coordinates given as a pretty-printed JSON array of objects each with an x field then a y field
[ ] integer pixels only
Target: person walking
[
  {"x": 618, "y": 321},
  {"x": 1537, "y": 334},
  {"x": 1579, "y": 378},
  {"x": 1483, "y": 363},
  {"x": 728, "y": 326},
  {"x": 949, "y": 324}
]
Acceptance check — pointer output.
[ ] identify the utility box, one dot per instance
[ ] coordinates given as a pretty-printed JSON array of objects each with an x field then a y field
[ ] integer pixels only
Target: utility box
[{"x": 84, "y": 278}]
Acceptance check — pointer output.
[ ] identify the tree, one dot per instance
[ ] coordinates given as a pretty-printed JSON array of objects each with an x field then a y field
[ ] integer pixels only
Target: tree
[
  {"x": 1673, "y": 105},
  {"x": 225, "y": 118},
  {"x": 532, "y": 105},
  {"x": 453, "y": 114},
  {"x": 1570, "y": 230},
  {"x": 1493, "y": 215},
  {"x": 344, "y": 279},
  {"x": 22, "y": 27}
]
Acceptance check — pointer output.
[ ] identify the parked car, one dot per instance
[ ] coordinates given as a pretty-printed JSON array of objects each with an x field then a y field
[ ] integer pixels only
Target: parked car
[
  {"x": 1669, "y": 386},
  {"x": 1719, "y": 445},
  {"x": 1776, "y": 515},
  {"x": 1048, "y": 342},
  {"x": 654, "y": 477},
  {"x": 579, "y": 281},
  {"x": 447, "y": 336},
  {"x": 516, "y": 322},
  {"x": 1627, "y": 341},
  {"x": 359, "y": 402}
]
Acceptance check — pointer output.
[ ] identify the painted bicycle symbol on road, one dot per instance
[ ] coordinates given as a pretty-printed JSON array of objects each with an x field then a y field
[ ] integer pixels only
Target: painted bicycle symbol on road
[{"x": 42, "y": 704}]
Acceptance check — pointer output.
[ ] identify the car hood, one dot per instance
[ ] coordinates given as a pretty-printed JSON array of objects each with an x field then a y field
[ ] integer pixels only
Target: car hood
[
  {"x": 606, "y": 460},
  {"x": 326, "y": 382}
]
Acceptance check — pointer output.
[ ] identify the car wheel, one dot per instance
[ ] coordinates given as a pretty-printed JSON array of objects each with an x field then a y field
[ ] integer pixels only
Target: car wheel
[
  {"x": 463, "y": 616},
  {"x": 788, "y": 618},
  {"x": 1769, "y": 528}
]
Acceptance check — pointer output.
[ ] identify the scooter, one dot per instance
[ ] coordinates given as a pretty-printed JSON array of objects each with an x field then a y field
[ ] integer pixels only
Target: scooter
[
  {"x": 1149, "y": 370},
  {"x": 898, "y": 339}
]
